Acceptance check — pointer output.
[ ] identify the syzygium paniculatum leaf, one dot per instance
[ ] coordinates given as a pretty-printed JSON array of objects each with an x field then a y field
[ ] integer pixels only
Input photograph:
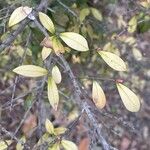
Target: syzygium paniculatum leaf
[
  {"x": 75, "y": 41},
  {"x": 45, "y": 52},
  {"x": 30, "y": 71},
  {"x": 56, "y": 146},
  {"x": 56, "y": 74},
  {"x": 53, "y": 95},
  {"x": 68, "y": 145},
  {"x": 113, "y": 61},
  {"x": 98, "y": 95},
  {"x": 49, "y": 126},
  {"x": 129, "y": 99},
  {"x": 60, "y": 130},
  {"x": 18, "y": 15},
  {"x": 4, "y": 144}
]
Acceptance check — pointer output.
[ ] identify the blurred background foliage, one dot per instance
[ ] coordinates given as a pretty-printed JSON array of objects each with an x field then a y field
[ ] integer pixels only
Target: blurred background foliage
[{"x": 118, "y": 26}]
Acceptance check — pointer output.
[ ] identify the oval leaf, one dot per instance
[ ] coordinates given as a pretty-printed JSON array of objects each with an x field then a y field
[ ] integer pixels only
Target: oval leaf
[
  {"x": 97, "y": 14},
  {"x": 53, "y": 95},
  {"x": 56, "y": 74},
  {"x": 68, "y": 145},
  {"x": 129, "y": 99},
  {"x": 60, "y": 130},
  {"x": 113, "y": 61},
  {"x": 46, "y": 22},
  {"x": 18, "y": 15},
  {"x": 49, "y": 126},
  {"x": 19, "y": 146},
  {"x": 54, "y": 147},
  {"x": 30, "y": 71},
  {"x": 98, "y": 95},
  {"x": 3, "y": 144},
  {"x": 46, "y": 52},
  {"x": 83, "y": 13},
  {"x": 75, "y": 41},
  {"x": 132, "y": 24}
]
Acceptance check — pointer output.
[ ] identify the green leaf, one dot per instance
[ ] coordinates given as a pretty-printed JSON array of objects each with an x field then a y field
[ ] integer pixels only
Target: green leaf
[
  {"x": 83, "y": 13},
  {"x": 129, "y": 99},
  {"x": 49, "y": 126},
  {"x": 68, "y": 145},
  {"x": 98, "y": 95},
  {"x": 47, "y": 22},
  {"x": 132, "y": 24},
  {"x": 56, "y": 74},
  {"x": 19, "y": 146},
  {"x": 60, "y": 130},
  {"x": 113, "y": 61},
  {"x": 3, "y": 144},
  {"x": 30, "y": 71},
  {"x": 55, "y": 147},
  {"x": 46, "y": 52},
  {"x": 75, "y": 41},
  {"x": 53, "y": 95},
  {"x": 97, "y": 14},
  {"x": 18, "y": 15}
]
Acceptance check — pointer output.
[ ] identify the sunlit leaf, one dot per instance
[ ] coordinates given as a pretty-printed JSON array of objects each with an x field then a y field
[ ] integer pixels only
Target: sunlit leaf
[
  {"x": 19, "y": 146},
  {"x": 49, "y": 126},
  {"x": 98, "y": 95},
  {"x": 68, "y": 145},
  {"x": 30, "y": 71},
  {"x": 113, "y": 61},
  {"x": 59, "y": 130},
  {"x": 56, "y": 74},
  {"x": 55, "y": 147},
  {"x": 137, "y": 54},
  {"x": 53, "y": 95},
  {"x": 46, "y": 22},
  {"x": 132, "y": 24},
  {"x": 97, "y": 14},
  {"x": 57, "y": 46},
  {"x": 83, "y": 13},
  {"x": 75, "y": 41},
  {"x": 18, "y": 15},
  {"x": 145, "y": 4},
  {"x": 3, "y": 144},
  {"x": 129, "y": 99},
  {"x": 46, "y": 52}
]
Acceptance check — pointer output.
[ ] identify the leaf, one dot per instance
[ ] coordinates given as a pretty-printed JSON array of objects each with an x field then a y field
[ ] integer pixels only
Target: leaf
[
  {"x": 97, "y": 14},
  {"x": 3, "y": 144},
  {"x": 132, "y": 24},
  {"x": 98, "y": 95},
  {"x": 30, "y": 71},
  {"x": 113, "y": 61},
  {"x": 75, "y": 41},
  {"x": 49, "y": 126},
  {"x": 68, "y": 145},
  {"x": 47, "y": 22},
  {"x": 18, "y": 15},
  {"x": 57, "y": 46},
  {"x": 56, "y": 74},
  {"x": 55, "y": 147},
  {"x": 60, "y": 130},
  {"x": 19, "y": 146},
  {"x": 53, "y": 95},
  {"x": 129, "y": 99},
  {"x": 46, "y": 52},
  {"x": 83, "y": 13}
]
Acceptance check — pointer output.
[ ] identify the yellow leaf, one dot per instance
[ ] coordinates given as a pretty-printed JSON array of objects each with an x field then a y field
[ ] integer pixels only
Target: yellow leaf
[
  {"x": 145, "y": 4},
  {"x": 68, "y": 145},
  {"x": 47, "y": 22},
  {"x": 129, "y": 99},
  {"x": 98, "y": 95},
  {"x": 97, "y": 14},
  {"x": 59, "y": 130},
  {"x": 56, "y": 74},
  {"x": 113, "y": 61},
  {"x": 30, "y": 71},
  {"x": 3, "y": 144},
  {"x": 18, "y": 15},
  {"x": 49, "y": 126},
  {"x": 83, "y": 13},
  {"x": 132, "y": 24},
  {"x": 19, "y": 146},
  {"x": 46, "y": 52},
  {"x": 53, "y": 95},
  {"x": 55, "y": 147},
  {"x": 57, "y": 46},
  {"x": 75, "y": 41}
]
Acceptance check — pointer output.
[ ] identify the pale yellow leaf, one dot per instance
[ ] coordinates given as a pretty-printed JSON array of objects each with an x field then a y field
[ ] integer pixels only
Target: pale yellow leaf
[
  {"x": 30, "y": 71},
  {"x": 53, "y": 95},
  {"x": 83, "y": 13},
  {"x": 3, "y": 145},
  {"x": 55, "y": 147},
  {"x": 59, "y": 130},
  {"x": 19, "y": 146},
  {"x": 49, "y": 126},
  {"x": 68, "y": 145},
  {"x": 18, "y": 15},
  {"x": 113, "y": 61},
  {"x": 98, "y": 95},
  {"x": 47, "y": 22},
  {"x": 97, "y": 14},
  {"x": 129, "y": 99},
  {"x": 56, "y": 74},
  {"x": 57, "y": 46},
  {"x": 132, "y": 24},
  {"x": 75, "y": 41},
  {"x": 46, "y": 52}
]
